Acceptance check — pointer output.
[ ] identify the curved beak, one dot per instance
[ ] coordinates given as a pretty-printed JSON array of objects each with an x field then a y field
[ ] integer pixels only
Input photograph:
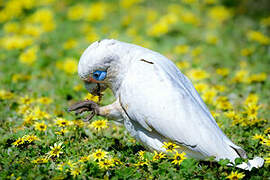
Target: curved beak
[{"x": 95, "y": 88}]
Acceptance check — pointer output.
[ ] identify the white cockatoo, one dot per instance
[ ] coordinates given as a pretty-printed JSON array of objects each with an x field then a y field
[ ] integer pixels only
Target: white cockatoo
[{"x": 154, "y": 100}]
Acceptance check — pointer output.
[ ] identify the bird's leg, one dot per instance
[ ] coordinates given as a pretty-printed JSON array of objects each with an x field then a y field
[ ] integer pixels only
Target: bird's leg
[{"x": 112, "y": 111}]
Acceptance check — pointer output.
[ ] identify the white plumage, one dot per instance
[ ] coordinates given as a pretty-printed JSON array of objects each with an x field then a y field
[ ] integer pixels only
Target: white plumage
[{"x": 156, "y": 102}]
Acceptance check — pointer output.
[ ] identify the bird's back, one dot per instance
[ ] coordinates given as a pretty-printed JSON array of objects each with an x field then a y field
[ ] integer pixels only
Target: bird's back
[{"x": 161, "y": 98}]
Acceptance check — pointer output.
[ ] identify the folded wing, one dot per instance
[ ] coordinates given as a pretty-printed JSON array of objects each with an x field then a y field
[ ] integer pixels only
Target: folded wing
[{"x": 159, "y": 97}]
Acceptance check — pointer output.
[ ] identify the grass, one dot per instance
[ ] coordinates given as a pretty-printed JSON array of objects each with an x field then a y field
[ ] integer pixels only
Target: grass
[{"x": 221, "y": 47}]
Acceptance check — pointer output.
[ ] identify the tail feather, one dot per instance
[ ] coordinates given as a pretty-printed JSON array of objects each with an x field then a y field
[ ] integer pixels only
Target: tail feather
[
  {"x": 257, "y": 162},
  {"x": 241, "y": 152}
]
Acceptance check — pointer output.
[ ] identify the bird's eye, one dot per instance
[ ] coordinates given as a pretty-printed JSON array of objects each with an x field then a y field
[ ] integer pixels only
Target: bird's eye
[{"x": 99, "y": 75}]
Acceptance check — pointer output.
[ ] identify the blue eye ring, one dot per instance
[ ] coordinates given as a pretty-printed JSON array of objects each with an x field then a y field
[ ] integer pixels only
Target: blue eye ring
[{"x": 99, "y": 75}]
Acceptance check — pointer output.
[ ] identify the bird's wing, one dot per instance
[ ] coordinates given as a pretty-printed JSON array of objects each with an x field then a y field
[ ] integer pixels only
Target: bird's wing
[{"x": 158, "y": 96}]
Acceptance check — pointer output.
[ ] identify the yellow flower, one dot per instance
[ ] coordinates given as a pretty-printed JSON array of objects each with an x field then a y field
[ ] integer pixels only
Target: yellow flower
[
  {"x": 32, "y": 30},
  {"x": 26, "y": 100},
  {"x": 45, "y": 100},
  {"x": 210, "y": 1},
  {"x": 211, "y": 39},
  {"x": 23, "y": 109},
  {"x": 158, "y": 29},
  {"x": 78, "y": 87},
  {"x": 258, "y": 136},
  {"x": 44, "y": 17},
  {"x": 62, "y": 122},
  {"x": 106, "y": 164},
  {"x": 129, "y": 3},
  {"x": 16, "y": 42},
  {"x": 261, "y": 77},
  {"x": 141, "y": 163},
  {"x": 201, "y": 87},
  {"x": 29, "y": 56},
  {"x": 219, "y": 13},
  {"x": 183, "y": 65},
  {"x": 62, "y": 132},
  {"x": 196, "y": 51},
  {"x": 181, "y": 49},
  {"x": 190, "y": 18},
  {"x": 99, "y": 154},
  {"x": 18, "y": 142},
  {"x": 11, "y": 27},
  {"x": 223, "y": 103},
  {"x": 99, "y": 124},
  {"x": 40, "y": 114},
  {"x": 40, "y": 126},
  {"x": 209, "y": 95},
  {"x": 179, "y": 158},
  {"x": 55, "y": 150},
  {"x": 71, "y": 164},
  {"x": 20, "y": 77},
  {"x": 266, "y": 141},
  {"x": 235, "y": 176},
  {"x": 230, "y": 114},
  {"x": 252, "y": 111},
  {"x": 163, "y": 25},
  {"x": 222, "y": 71},
  {"x": 258, "y": 37},
  {"x": 6, "y": 94},
  {"x": 215, "y": 114},
  {"x": 76, "y": 12},
  {"x": 267, "y": 159},
  {"x": 84, "y": 159},
  {"x": 70, "y": 66},
  {"x": 30, "y": 138},
  {"x": 97, "y": 11},
  {"x": 265, "y": 21},
  {"x": 69, "y": 44},
  {"x": 91, "y": 97},
  {"x": 75, "y": 171},
  {"x": 190, "y": 1},
  {"x": 28, "y": 119},
  {"x": 151, "y": 16},
  {"x": 78, "y": 123},
  {"x": 240, "y": 76},
  {"x": 170, "y": 147},
  {"x": 92, "y": 36},
  {"x": 116, "y": 161},
  {"x": 251, "y": 99},
  {"x": 198, "y": 74},
  {"x": 141, "y": 154},
  {"x": 267, "y": 131},
  {"x": 157, "y": 156},
  {"x": 247, "y": 51},
  {"x": 220, "y": 88},
  {"x": 40, "y": 161}
]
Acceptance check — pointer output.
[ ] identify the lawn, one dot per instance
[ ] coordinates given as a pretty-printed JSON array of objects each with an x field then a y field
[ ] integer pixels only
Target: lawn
[{"x": 221, "y": 45}]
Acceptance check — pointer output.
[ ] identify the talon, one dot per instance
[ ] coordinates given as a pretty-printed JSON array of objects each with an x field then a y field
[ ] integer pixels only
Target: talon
[
  {"x": 79, "y": 105},
  {"x": 80, "y": 111},
  {"x": 83, "y": 106},
  {"x": 89, "y": 117}
]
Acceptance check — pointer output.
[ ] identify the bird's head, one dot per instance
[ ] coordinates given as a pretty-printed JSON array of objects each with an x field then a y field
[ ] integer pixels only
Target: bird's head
[{"x": 101, "y": 66}]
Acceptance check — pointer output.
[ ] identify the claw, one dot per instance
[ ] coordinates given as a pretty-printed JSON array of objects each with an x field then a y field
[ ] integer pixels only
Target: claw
[
  {"x": 89, "y": 117},
  {"x": 83, "y": 106},
  {"x": 79, "y": 105},
  {"x": 80, "y": 111}
]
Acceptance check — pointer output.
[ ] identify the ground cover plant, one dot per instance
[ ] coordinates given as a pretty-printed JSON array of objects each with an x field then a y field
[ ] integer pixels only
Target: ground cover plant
[{"x": 222, "y": 46}]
